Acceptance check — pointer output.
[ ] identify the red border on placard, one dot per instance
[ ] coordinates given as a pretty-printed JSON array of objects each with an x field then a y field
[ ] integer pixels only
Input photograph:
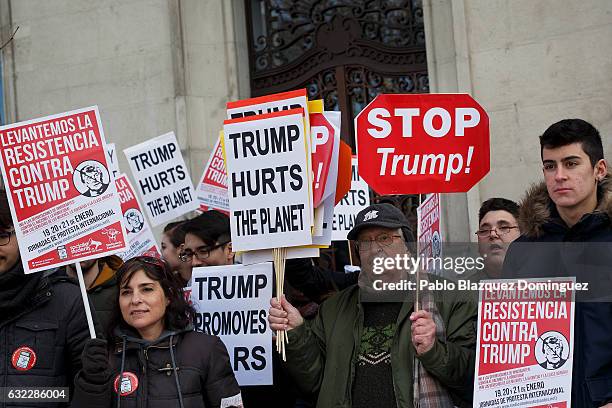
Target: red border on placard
[
  {"x": 265, "y": 116},
  {"x": 267, "y": 98}
]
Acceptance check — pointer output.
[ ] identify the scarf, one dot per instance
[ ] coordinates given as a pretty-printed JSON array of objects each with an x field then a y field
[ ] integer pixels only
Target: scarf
[
  {"x": 16, "y": 290},
  {"x": 428, "y": 392}
]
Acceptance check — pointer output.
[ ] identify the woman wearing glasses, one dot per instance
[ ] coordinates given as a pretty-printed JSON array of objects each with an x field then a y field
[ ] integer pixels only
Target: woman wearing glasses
[{"x": 154, "y": 358}]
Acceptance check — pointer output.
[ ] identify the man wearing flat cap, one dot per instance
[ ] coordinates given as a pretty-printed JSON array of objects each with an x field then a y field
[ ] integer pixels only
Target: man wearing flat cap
[{"x": 373, "y": 348}]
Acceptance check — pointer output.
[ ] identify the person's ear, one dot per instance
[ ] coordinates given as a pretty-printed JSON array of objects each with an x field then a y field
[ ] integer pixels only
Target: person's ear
[
  {"x": 601, "y": 170},
  {"x": 229, "y": 251}
]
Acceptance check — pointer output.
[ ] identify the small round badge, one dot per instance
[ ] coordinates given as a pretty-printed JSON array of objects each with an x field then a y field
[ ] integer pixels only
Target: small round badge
[
  {"x": 127, "y": 384},
  {"x": 23, "y": 358}
]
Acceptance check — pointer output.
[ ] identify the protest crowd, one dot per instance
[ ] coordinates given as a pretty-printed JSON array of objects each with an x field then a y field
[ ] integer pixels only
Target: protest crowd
[{"x": 161, "y": 333}]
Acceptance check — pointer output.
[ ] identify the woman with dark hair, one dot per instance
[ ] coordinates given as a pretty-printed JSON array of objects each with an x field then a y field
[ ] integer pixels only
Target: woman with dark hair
[
  {"x": 156, "y": 359},
  {"x": 172, "y": 243}
]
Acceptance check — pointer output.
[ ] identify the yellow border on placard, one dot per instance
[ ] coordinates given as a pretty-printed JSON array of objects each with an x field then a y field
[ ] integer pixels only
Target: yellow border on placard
[{"x": 315, "y": 106}]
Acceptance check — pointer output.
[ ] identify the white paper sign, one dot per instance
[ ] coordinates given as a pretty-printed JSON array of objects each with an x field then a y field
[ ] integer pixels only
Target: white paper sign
[
  {"x": 113, "y": 161},
  {"x": 267, "y": 169},
  {"x": 345, "y": 212},
  {"x": 140, "y": 237},
  {"x": 330, "y": 187},
  {"x": 232, "y": 302},
  {"x": 267, "y": 255},
  {"x": 273, "y": 103},
  {"x": 161, "y": 178}
]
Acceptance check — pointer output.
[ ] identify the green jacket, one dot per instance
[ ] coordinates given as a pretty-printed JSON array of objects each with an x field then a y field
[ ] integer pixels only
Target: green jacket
[{"x": 322, "y": 353}]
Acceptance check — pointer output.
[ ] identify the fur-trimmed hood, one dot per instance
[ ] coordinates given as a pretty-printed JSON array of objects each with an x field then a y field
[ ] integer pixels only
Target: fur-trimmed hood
[{"x": 536, "y": 206}]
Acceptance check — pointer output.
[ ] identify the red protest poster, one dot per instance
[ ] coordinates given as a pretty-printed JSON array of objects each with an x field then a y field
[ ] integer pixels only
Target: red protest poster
[
  {"x": 525, "y": 343},
  {"x": 429, "y": 234},
  {"x": 212, "y": 188},
  {"x": 139, "y": 235},
  {"x": 322, "y": 132},
  {"x": 428, "y": 227},
  {"x": 62, "y": 198}
]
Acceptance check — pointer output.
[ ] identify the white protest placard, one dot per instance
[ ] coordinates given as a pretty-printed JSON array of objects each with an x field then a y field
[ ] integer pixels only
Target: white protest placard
[
  {"x": 267, "y": 255},
  {"x": 139, "y": 235},
  {"x": 162, "y": 179},
  {"x": 274, "y": 103},
  {"x": 212, "y": 188},
  {"x": 113, "y": 161},
  {"x": 345, "y": 212},
  {"x": 330, "y": 187},
  {"x": 232, "y": 302},
  {"x": 524, "y": 353},
  {"x": 62, "y": 198},
  {"x": 327, "y": 207},
  {"x": 267, "y": 169}
]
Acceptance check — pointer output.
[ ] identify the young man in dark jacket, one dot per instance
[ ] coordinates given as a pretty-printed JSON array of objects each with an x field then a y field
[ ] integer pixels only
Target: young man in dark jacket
[
  {"x": 42, "y": 322},
  {"x": 566, "y": 231}
]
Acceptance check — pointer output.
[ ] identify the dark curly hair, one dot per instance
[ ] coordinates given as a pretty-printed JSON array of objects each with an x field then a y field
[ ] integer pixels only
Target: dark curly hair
[
  {"x": 179, "y": 313},
  {"x": 176, "y": 233}
]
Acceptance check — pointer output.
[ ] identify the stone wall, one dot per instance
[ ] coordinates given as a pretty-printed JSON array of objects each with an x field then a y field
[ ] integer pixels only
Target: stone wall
[{"x": 529, "y": 64}]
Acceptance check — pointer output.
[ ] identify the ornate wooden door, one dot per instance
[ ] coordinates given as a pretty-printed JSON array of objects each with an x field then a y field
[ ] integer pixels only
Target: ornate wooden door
[{"x": 343, "y": 51}]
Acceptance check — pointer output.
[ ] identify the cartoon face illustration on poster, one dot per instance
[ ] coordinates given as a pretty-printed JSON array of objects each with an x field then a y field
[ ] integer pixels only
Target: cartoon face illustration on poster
[
  {"x": 436, "y": 245},
  {"x": 134, "y": 220},
  {"x": 91, "y": 178},
  {"x": 62, "y": 252},
  {"x": 551, "y": 350}
]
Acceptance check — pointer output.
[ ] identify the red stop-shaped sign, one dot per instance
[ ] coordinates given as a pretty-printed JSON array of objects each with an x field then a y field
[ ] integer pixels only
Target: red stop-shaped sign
[{"x": 422, "y": 143}]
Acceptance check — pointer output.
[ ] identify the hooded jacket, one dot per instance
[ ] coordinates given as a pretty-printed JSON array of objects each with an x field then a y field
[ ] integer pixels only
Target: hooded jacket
[
  {"x": 322, "y": 353},
  {"x": 103, "y": 291},
  {"x": 179, "y": 369},
  {"x": 549, "y": 248},
  {"x": 48, "y": 324}
]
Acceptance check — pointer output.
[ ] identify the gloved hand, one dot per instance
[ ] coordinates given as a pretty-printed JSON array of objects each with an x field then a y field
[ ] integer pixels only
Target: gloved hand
[{"x": 96, "y": 368}]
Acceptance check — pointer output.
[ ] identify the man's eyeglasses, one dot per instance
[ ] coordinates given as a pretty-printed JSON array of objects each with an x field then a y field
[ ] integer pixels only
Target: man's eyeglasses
[
  {"x": 5, "y": 237},
  {"x": 200, "y": 253},
  {"x": 485, "y": 233},
  {"x": 383, "y": 240}
]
